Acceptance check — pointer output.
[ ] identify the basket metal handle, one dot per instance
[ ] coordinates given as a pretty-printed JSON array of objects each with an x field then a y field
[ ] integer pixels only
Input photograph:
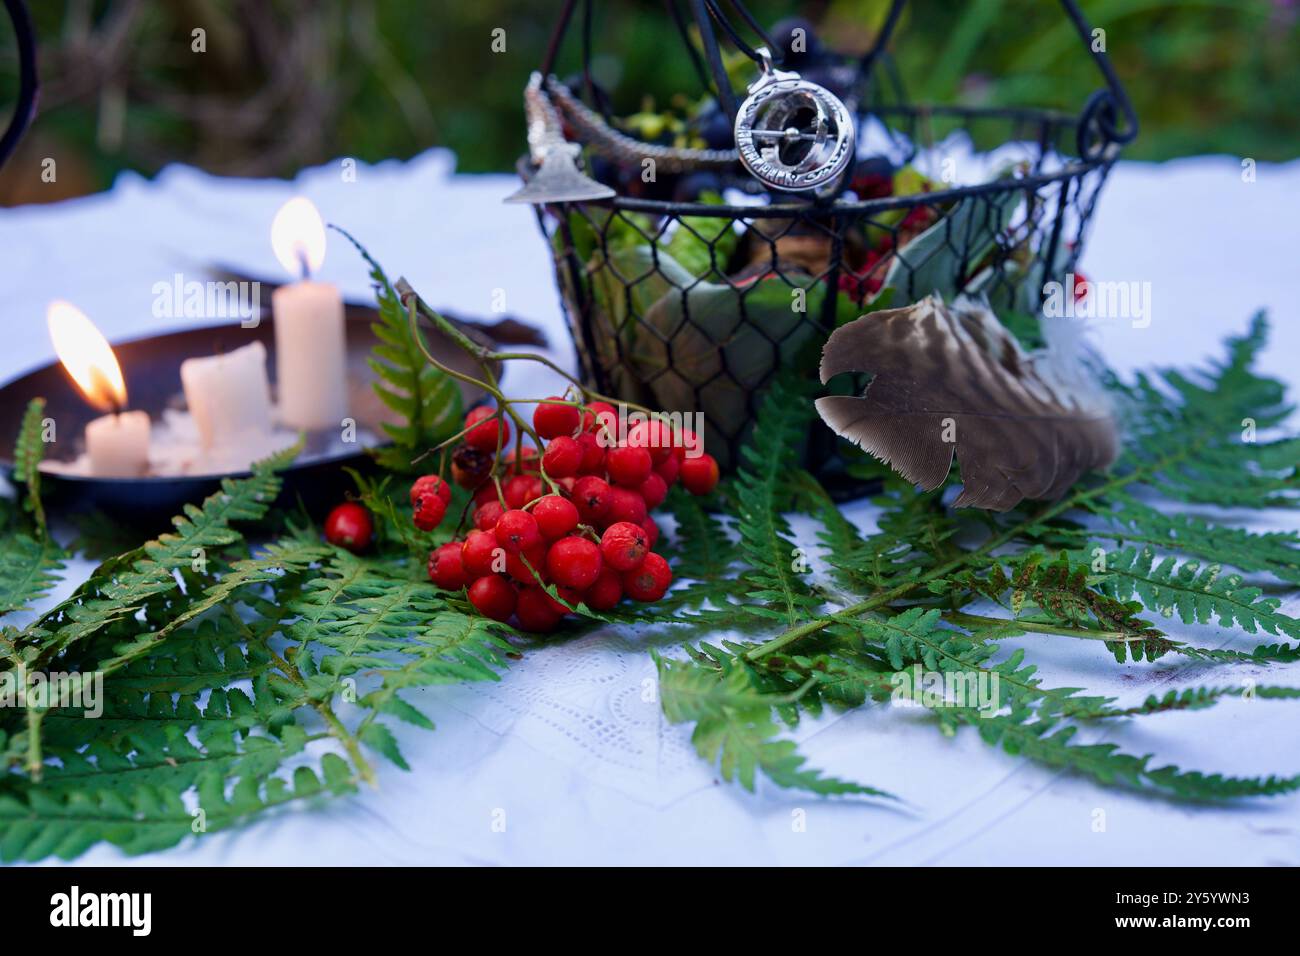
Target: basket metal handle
[
  {"x": 25, "y": 109},
  {"x": 1102, "y": 112},
  {"x": 1099, "y": 127}
]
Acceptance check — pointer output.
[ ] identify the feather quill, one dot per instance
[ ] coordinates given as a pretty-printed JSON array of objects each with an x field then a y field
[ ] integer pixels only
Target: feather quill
[{"x": 952, "y": 380}]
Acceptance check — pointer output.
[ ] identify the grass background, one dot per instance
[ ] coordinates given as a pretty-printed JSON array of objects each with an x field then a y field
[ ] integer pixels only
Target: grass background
[{"x": 288, "y": 83}]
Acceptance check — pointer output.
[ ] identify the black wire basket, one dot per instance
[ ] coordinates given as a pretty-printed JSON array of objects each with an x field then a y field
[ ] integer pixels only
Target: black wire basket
[{"x": 694, "y": 306}]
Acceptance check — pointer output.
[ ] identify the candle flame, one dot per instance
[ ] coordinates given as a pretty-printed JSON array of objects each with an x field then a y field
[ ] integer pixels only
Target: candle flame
[
  {"x": 86, "y": 356},
  {"x": 298, "y": 236}
]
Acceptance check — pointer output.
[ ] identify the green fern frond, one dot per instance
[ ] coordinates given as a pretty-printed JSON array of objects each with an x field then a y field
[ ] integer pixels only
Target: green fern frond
[
  {"x": 427, "y": 400},
  {"x": 29, "y": 568},
  {"x": 1050, "y": 742},
  {"x": 774, "y": 589},
  {"x": 150, "y": 815},
  {"x": 734, "y": 729},
  {"x": 1194, "y": 593},
  {"x": 120, "y": 587},
  {"x": 29, "y": 449}
]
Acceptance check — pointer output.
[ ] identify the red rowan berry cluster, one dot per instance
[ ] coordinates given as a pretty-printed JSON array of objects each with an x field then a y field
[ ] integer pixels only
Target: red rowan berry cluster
[{"x": 577, "y": 516}]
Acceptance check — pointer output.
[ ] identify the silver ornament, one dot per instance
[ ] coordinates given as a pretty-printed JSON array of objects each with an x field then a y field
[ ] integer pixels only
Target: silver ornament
[{"x": 792, "y": 134}]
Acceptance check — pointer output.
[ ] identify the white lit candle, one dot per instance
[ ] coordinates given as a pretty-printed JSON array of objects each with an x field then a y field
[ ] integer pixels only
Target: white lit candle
[
  {"x": 310, "y": 345},
  {"x": 117, "y": 444},
  {"x": 228, "y": 396}
]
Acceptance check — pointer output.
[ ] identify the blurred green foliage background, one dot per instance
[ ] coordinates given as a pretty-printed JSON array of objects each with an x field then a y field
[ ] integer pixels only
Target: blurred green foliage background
[{"x": 285, "y": 83}]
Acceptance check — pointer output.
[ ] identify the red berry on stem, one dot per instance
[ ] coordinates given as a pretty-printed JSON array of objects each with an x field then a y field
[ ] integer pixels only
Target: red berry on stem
[
  {"x": 430, "y": 484},
  {"x": 574, "y": 562},
  {"x": 529, "y": 461},
  {"x": 536, "y": 611},
  {"x": 488, "y": 492},
  {"x": 651, "y": 530},
  {"x": 628, "y": 466},
  {"x": 623, "y": 546},
  {"x": 522, "y": 489},
  {"x": 527, "y": 566},
  {"x": 668, "y": 470},
  {"x": 570, "y": 596},
  {"x": 650, "y": 581},
  {"x": 493, "y": 596},
  {"x": 488, "y": 431},
  {"x": 445, "y": 569},
  {"x": 349, "y": 526},
  {"x": 552, "y": 419},
  {"x": 429, "y": 512},
  {"x": 688, "y": 443},
  {"x": 563, "y": 457},
  {"x": 606, "y": 591},
  {"x": 699, "y": 475},
  {"x": 625, "y": 505},
  {"x": 479, "y": 553},
  {"x": 556, "y": 516},
  {"x": 591, "y": 495},
  {"x": 601, "y": 416},
  {"x": 487, "y": 515},
  {"x": 517, "y": 531},
  {"x": 593, "y": 455},
  {"x": 654, "y": 436},
  {"x": 654, "y": 490}
]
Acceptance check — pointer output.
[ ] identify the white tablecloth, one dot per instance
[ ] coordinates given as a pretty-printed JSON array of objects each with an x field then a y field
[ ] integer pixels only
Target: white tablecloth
[{"x": 583, "y": 767}]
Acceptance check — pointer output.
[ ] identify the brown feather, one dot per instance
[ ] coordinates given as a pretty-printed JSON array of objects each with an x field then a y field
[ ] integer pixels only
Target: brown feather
[{"x": 1025, "y": 424}]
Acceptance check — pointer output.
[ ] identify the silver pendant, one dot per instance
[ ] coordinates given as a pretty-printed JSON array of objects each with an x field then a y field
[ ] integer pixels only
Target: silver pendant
[{"x": 792, "y": 134}]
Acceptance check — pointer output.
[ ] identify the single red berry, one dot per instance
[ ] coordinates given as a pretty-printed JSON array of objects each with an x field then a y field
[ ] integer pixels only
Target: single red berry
[
  {"x": 430, "y": 484},
  {"x": 625, "y": 505},
  {"x": 487, "y": 515},
  {"x": 651, "y": 529},
  {"x": 605, "y": 592},
  {"x": 668, "y": 470},
  {"x": 601, "y": 416},
  {"x": 493, "y": 596},
  {"x": 699, "y": 475},
  {"x": 623, "y": 546},
  {"x": 593, "y": 455},
  {"x": 486, "y": 493},
  {"x": 1081, "y": 286},
  {"x": 654, "y": 436},
  {"x": 522, "y": 489},
  {"x": 552, "y": 419},
  {"x": 529, "y": 461},
  {"x": 574, "y": 562},
  {"x": 591, "y": 495},
  {"x": 536, "y": 611},
  {"x": 628, "y": 466},
  {"x": 688, "y": 443},
  {"x": 479, "y": 554},
  {"x": 349, "y": 526},
  {"x": 563, "y": 457},
  {"x": 445, "y": 569},
  {"x": 570, "y": 596},
  {"x": 654, "y": 490},
  {"x": 556, "y": 516},
  {"x": 517, "y": 531},
  {"x": 527, "y": 566},
  {"x": 650, "y": 581},
  {"x": 488, "y": 431},
  {"x": 429, "y": 512}
]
